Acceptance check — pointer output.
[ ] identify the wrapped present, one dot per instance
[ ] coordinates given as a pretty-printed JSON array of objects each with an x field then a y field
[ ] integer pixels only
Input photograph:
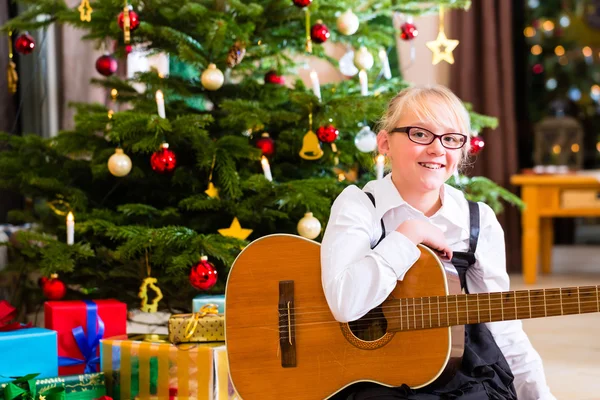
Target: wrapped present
[
  {"x": 73, "y": 387},
  {"x": 224, "y": 389},
  {"x": 147, "y": 367},
  {"x": 203, "y": 299},
  {"x": 24, "y": 349},
  {"x": 80, "y": 326},
  {"x": 204, "y": 326}
]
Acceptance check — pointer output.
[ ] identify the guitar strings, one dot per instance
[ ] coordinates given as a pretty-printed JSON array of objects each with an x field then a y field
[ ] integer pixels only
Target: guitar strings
[{"x": 479, "y": 298}]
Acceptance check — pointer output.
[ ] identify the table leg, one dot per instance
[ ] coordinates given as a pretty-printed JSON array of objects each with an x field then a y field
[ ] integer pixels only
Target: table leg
[
  {"x": 531, "y": 234},
  {"x": 547, "y": 239}
]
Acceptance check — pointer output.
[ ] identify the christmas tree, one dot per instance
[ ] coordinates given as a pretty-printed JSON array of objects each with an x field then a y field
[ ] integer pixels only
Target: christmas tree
[{"x": 251, "y": 149}]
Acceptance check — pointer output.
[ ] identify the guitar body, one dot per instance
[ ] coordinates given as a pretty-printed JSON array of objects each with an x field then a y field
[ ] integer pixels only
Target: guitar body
[{"x": 283, "y": 342}]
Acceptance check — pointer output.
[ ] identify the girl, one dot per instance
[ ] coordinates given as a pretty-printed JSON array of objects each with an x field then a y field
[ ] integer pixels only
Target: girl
[{"x": 371, "y": 242}]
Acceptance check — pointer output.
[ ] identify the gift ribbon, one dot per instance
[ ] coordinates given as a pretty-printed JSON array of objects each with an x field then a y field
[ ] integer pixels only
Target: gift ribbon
[
  {"x": 193, "y": 321},
  {"x": 87, "y": 343},
  {"x": 13, "y": 391},
  {"x": 7, "y": 314}
]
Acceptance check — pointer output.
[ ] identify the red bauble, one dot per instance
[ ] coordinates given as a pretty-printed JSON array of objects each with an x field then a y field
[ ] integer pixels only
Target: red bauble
[
  {"x": 477, "y": 144},
  {"x": 134, "y": 20},
  {"x": 163, "y": 160},
  {"x": 408, "y": 31},
  {"x": 25, "y": 44},
  {"x": 54, "y": 288},
  {"x": 272, "y": 77},
  {"x": 538, "y": 69},
  {"x": 266, "y": 144},
  {"x": 106, "y": 65},
  {"x": 128, "y": 49},
  {"x": 203, "y": 275},
  {"x": 302, "y": 3},
  {"x": 327, "y": 134},
  {"x": 319, "y": 32}
]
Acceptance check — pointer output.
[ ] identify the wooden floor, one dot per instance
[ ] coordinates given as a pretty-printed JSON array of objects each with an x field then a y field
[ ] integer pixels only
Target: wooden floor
[{"x": 570, "y": 345}]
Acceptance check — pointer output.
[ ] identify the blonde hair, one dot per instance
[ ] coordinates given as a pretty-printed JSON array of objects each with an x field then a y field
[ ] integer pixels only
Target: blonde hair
[{"x": 419, "y": 99}]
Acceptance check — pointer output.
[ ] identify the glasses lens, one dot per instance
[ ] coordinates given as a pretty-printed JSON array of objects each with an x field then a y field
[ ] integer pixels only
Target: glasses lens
[
  {"x": 453, "y": 141},
  {"x": 419, "y": 135}
]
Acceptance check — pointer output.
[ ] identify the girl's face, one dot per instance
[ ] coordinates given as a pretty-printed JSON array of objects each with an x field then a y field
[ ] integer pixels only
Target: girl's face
[{"x": 421, "y": 167}]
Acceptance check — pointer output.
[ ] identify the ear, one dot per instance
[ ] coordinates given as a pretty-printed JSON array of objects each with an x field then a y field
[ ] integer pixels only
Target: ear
[{"x": 383, "y": 142}]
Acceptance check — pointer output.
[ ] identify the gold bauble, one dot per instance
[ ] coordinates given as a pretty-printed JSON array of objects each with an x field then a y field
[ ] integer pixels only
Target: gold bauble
[
  {"x": 309, "y": 226},
  {"x": 348, "y": 23},
  {"x": 363, "y": 59},
  {"x": 212, "y": 78},
  {"x": 119, "y": 164}
]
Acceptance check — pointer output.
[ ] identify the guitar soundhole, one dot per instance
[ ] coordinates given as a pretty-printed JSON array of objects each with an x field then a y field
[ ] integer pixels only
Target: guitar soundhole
[{"x": 372, "y": 326}]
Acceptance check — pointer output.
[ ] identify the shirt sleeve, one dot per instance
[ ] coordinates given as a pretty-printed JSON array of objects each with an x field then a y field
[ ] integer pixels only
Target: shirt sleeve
[
  {"x": 489, "y": 275},
  {"x": 355, "y": 278}
]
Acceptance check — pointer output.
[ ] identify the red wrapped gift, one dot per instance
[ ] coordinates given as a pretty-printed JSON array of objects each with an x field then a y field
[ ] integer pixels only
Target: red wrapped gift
[{"x": 80, "y": 326}]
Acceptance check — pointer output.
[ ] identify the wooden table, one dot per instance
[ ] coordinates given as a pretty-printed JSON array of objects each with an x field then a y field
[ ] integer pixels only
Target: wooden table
[{"x": 547, "y": 197}]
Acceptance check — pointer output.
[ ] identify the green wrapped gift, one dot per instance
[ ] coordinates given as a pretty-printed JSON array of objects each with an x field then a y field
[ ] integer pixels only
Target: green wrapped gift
[{"x": 70, "y": 387}]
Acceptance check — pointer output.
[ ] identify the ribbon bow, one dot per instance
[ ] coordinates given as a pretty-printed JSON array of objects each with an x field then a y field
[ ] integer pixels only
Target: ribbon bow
[
  {"x": 13, "y": 391},
  {"x": 7, "y": 314},
  {"x": 87, "y": 343},
  {"x": 193, "y": 321}
]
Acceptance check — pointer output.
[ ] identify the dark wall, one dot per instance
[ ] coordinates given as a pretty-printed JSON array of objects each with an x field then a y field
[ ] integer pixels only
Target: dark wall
[{"x": 8, "y": 107}]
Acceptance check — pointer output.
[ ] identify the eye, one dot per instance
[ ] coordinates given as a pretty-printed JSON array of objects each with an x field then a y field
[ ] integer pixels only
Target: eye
[
  {"x": 454, "y": 139},
  {"x": 420, "y": 134}
]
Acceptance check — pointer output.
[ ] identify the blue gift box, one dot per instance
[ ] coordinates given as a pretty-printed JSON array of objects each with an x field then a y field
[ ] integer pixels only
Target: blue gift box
[
  {"x": 203, "y": 299},
  {"x": 28, "y": 351}
]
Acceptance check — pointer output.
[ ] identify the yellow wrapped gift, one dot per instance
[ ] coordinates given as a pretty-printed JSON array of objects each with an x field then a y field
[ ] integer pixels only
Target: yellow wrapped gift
[
  {"x": 146, "y": 367},
  {"x": 207, "y": 325}
]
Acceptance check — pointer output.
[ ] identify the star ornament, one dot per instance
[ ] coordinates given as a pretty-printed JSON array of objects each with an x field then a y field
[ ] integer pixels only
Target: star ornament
[
  {"x": 212, "y": 191},
  {"x": 442, "y": 48},
  {"x": 85, "y": 11},
  {"x": 236, "y": 230}
]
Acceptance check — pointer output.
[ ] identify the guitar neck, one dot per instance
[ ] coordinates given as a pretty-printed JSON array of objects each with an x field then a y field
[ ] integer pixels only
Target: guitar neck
[{"x": 462, "y": 309}]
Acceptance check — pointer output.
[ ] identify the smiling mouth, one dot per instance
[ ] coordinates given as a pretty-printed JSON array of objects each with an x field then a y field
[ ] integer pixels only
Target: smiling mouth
[{"x": 431, "y": 165}]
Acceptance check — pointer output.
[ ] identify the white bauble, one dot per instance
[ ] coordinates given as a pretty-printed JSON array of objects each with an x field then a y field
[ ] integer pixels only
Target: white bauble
[
  {"x": 346, "y": 64},
  {"x": 119, "y": 164},
  {"x": 363, "y": 59},
  {"x": 347, "y": 23},
  {"x": 366, "y": 140},
  {"x": 309, "y": 226},
  {"x": 212, "y": 78}
]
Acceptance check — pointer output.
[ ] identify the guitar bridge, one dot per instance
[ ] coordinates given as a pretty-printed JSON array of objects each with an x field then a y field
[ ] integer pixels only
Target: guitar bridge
[{"x": 287, "y": 331}]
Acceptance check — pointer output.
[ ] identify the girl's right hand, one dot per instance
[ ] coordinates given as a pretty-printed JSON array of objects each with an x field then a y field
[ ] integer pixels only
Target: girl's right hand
[{"x": 424, "y": 232}]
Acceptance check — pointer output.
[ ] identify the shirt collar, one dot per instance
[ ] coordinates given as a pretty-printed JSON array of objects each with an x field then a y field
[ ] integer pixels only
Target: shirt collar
[{"x": 387, "y": 198}]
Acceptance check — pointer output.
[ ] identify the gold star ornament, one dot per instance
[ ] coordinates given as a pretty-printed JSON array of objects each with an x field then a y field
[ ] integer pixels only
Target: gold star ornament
[
  {"x": 236, "y": 230},
  {"x": 212, "y": 191},
  {"x": 85, "y": 11},
  {"x": 442, "y": 48}
]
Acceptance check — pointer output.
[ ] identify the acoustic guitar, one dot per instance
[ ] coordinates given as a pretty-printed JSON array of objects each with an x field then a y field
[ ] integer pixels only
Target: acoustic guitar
[{"x": 284, "y": 343}]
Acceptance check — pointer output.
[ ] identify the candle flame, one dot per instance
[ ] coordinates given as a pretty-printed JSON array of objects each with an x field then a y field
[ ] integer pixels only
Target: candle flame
[
  {"x": 159, "y": 95},
  {"x": 70, "y": 216},
  {"x": 264, "y": 161}
]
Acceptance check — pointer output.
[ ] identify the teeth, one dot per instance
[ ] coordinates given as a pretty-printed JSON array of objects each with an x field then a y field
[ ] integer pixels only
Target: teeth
[{"x": 431, "y": 166}]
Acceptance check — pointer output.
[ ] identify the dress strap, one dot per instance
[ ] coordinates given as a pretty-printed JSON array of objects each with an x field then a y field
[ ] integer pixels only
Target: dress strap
[
  {"x": 372, "y": 198},
  {"x": 474, "y": 225}
]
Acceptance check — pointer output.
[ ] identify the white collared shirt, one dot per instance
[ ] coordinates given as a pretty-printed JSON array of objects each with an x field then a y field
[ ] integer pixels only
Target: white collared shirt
[{"x": 357, "y": 278}]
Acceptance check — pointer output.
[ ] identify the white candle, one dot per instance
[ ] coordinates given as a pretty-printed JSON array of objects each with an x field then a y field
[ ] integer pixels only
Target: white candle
[
  {"x": 70, "y": 229},
  {"x": 316, "y": 87},
  {"x": 266, "y": 168},
  {"x": 379, "y": 164},
  {"x": 160, "y": 104},
  {"x": 364, "y": 83},
  {"x": 387, "y": 72}
]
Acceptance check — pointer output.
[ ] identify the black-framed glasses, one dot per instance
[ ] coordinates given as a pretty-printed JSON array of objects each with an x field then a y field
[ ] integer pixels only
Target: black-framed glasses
[{"x": 423, "y": 136}]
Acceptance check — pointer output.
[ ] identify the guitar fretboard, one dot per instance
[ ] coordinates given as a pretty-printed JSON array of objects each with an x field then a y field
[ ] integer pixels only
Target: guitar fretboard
[{"x": 462, "y": 309}]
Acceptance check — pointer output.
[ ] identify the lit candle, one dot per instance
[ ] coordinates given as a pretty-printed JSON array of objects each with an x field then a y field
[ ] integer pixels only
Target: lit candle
[
  {"x": 379, "y": 163},
  {"x": 316, "y": 87},
  {"x": 387, "y": 72},
  {"x": 266, "y": 168},
  {"x": 70, "y": 229},
  {"x": 160, "y": 103},
  {"x": 364, "y": 83}
]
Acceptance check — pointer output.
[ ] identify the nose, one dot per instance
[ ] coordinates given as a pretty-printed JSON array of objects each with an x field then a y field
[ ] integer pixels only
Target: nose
[{"x": 436, "y": 148}]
